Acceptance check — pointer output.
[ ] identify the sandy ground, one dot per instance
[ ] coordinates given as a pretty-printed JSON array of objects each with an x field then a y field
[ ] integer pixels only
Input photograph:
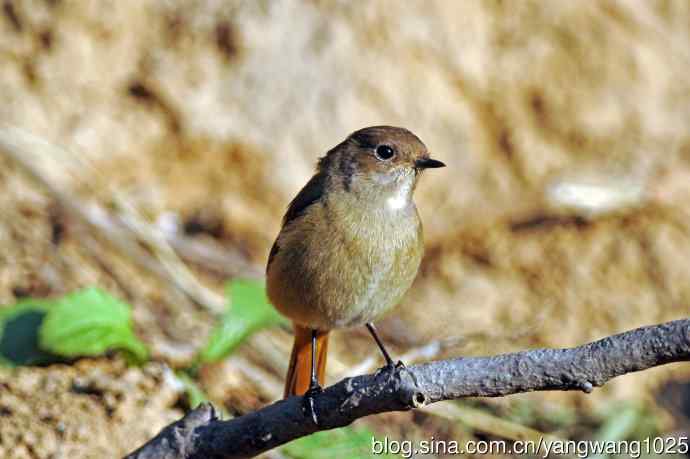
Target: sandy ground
[{"x": 562, "y": 216}]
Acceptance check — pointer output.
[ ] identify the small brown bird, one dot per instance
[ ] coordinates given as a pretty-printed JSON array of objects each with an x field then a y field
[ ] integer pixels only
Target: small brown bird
[{"x": 350, "y": 245}]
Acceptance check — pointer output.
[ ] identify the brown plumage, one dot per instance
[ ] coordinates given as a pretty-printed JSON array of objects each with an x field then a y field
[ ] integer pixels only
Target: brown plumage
[{"x": 351, "y": 241}]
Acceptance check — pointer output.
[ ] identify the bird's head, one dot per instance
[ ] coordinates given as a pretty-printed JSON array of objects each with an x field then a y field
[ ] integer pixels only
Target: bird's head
[{"x": 380, "y": 159}]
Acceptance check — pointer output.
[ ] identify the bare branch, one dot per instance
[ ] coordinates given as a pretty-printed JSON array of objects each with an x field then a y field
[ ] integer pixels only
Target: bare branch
[{"x": 200, "y": 434}]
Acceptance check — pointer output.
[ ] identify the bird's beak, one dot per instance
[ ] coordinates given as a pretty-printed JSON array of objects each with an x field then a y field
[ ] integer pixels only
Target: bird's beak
[{"x": 428, "y": 163}]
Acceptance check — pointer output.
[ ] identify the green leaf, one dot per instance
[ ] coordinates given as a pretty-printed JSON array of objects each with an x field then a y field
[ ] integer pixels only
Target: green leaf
[
  {"x": 90, "y": 322},
  {"x": 248, "y": 312},
  {"x": 350, "y": 442},
  {"x": 19, "y": 329}
]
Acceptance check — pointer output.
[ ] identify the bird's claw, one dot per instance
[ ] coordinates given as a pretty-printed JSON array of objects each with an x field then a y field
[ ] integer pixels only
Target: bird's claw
[
  {"x": 391, "y": 368},
  {"x": 308, "y": 407}
]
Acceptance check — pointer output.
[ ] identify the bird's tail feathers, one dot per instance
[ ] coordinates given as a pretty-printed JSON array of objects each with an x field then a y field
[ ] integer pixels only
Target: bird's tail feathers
[{"x": 299, "y": 372}]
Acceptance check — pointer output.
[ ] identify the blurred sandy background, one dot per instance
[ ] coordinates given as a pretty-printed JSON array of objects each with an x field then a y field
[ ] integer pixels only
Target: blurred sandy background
[{"x": 562, "y": 217}]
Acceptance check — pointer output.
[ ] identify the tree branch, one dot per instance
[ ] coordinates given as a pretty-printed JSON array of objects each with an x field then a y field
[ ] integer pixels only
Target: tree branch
[{"x": 200, "y": 434}]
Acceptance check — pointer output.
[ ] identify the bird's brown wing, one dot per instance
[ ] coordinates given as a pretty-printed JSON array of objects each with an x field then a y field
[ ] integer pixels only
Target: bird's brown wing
[{"x": 312, "y": 192}]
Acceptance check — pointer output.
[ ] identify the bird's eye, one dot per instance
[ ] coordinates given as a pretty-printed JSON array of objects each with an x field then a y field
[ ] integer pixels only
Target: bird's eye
[{"x": 384, "y": 152}]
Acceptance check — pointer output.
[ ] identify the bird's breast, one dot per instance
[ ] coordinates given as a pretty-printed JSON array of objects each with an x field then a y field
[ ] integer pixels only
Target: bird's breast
[{"x": 345, "y": 263}]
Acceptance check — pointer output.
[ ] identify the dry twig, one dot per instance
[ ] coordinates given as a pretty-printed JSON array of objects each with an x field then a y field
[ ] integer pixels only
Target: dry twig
[
  {"x": 200, "y": 434},
  {"x": 41, "y": 160}
]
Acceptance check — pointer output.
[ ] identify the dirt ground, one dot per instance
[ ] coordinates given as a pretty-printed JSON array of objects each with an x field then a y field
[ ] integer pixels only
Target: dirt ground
[
  {"x": 56, "y": 412},
  {"x": 208, "y": 116}
]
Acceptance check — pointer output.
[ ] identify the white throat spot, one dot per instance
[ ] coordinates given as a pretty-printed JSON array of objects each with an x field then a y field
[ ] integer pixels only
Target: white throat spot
[
  {"x": 402, "y": 196},
  {"x": 397, "y": 202}
]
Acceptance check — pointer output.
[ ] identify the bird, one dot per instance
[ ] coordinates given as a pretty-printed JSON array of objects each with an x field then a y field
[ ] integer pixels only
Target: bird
[{"x": 349, "y": 247}]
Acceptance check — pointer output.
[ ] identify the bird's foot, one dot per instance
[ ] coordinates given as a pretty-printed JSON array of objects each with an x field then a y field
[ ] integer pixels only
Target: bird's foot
[
  {"x": 308, "y": 406},
  {"x": 391, "y": 368}
]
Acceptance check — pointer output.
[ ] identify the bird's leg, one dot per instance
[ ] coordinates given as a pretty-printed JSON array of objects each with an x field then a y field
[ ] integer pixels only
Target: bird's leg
[
  {"x": 314, "y": 387},
  {"x": 390, "y": 365}
]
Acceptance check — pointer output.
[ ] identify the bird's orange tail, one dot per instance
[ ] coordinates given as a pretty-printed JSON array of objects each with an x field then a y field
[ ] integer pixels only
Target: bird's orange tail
[{"x": 299, "y": 371}]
